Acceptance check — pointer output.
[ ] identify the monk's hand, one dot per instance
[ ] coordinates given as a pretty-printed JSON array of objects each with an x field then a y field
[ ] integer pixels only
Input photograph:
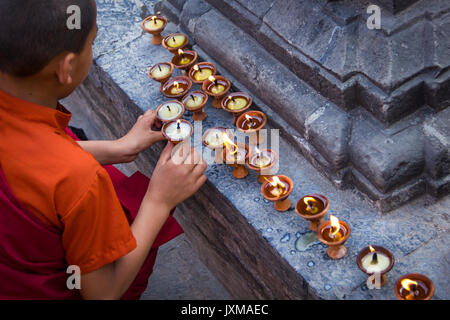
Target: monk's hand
[
  {"x": 178, "y": 174},
  {"x": 141, "y": 136}
]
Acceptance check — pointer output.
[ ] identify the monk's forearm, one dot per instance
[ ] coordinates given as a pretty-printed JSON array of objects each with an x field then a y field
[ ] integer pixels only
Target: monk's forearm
[
  {"x": 109, "y": 152},
  {"x": 112, "y": 281}
]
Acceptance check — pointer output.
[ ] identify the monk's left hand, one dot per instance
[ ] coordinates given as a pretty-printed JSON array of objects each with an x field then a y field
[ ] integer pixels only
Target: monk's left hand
[{"x": 141, "y": 136}]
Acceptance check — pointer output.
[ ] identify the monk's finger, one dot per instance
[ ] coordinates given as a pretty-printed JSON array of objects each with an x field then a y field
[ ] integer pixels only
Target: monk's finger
[
  {"x": 166, "y": 154},
  {"x": 180, "y": 152}
]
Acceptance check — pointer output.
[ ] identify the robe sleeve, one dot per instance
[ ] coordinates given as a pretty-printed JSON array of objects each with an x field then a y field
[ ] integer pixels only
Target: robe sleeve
[{"x": 96, "y": 230}]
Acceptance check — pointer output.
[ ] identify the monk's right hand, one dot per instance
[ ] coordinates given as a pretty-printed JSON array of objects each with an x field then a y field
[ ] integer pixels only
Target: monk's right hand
[{"x": 178, "y": 174}]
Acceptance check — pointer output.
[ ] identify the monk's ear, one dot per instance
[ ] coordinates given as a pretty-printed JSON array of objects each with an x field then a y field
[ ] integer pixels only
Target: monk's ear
[{"x": 64, "y": 69}]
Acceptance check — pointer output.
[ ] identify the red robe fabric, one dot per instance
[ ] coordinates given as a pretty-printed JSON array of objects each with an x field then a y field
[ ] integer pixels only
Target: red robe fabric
[{"x": 32, "y": 262}]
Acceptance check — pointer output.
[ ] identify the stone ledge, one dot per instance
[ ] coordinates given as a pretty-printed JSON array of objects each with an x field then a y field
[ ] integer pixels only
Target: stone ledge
[
  {"x": 348, "y": 176},
  {"x": 326, "y": 128},
  {"x": 250, "y": 248}
]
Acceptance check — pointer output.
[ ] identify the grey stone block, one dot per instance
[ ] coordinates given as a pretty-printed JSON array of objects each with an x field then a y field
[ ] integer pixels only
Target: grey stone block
[
  {"x": 387, "y": 161},
  {"x": 191, "y": 11},
  {"x": 437, "y": 146},
  {"x": 440, "y": 187},
  {"x": 168, "y": 10},
  {"x": 239, "y": 13},
  {"x": 396, "y": 6},
  {"x": 328, "y": 44},
  {"x": 178, "y": 3},
  {"x": 329, "y": 130}
]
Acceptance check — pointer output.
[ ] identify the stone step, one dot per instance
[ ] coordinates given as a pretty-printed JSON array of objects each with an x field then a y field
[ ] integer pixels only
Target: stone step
[{"x": 351, "y": 147}]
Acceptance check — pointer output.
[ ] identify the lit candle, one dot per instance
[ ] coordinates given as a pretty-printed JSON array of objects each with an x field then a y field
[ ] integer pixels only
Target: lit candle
[
  {"x": 178, "y": 131},
  {"x": 217, "y": 87},
  {"x": 234, "y": 153},
  {"x": 311, "y": 205},
  {"x": 213, "y": 138},
  {"x": 334, "y": 233},
  {"x": 279, "y": 188},
  {"x": 202, "y": 74},
  {"x": 262, "y": 159},
  {"x": 411, "y": 287},
  {"x": 154, "y": 24},
  {"x": 335, "y": 227},
  {"x": 176, "y": 41},
  {"x": 231, "y": 148},
  {"x": 169, "y": 111},
  {"x": 176, "y": 88},
  {"x": 194, "y": 101},
  {"x": 160, "y": 71},
  {"x": 184, "y": 59},
  {"x": 250, "y": 123},
  {"x": 414, "y": 286},
  {"x": 375, "y": 261},
  {"x": 236, "y": 103},
  {"x": 312, "y": 208}
]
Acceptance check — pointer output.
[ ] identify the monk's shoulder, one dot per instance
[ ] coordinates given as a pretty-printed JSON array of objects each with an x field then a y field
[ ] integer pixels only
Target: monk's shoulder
[{"x": 76, "y": 173}]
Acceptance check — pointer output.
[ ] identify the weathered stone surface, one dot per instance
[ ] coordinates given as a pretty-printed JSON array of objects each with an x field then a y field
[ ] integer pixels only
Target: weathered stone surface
[
  {"x": 328, "y": 44},
  {"x": 276, "y": 85},
  {"x": 387, "y": 161},
  {"x": 339, "y": 48},
  {"x": 396, "y": 5},
  {"x": 328, "y": 128},
  {"x": 178, "y": 4},
  {"x": 322, "y": 125},
  {"x": 191, "y": 11},
  {"x": 168, "y": 10},
  {"x": 437, "y": 147}
]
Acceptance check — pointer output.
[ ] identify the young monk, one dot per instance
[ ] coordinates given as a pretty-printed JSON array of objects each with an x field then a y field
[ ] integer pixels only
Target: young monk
[{"x": 58, "y": 205}]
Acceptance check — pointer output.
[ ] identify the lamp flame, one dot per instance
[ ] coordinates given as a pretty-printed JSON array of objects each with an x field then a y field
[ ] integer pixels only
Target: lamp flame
[
  {"x": 257, "y": 150},
  {"x": 180, "y": 52},
  {"x": 310, "y": 205},
  {"x": 176, "y": 84},
  {"x": 408, "y": 284},
  {"x": 276, "y": 182},
  {"x": 334, "y": 226},
  {"x": 211, "y": 78},
  {"x": 307, "y": 200},
  {"x": 371, "y": 248},
  {"x": 196, "y": 67},
  {"x": 229, "y": 144}
]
